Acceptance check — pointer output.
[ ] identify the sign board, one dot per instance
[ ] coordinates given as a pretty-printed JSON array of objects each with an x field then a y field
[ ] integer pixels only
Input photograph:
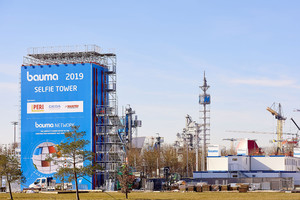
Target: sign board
[{"x": 54, "y": 98}]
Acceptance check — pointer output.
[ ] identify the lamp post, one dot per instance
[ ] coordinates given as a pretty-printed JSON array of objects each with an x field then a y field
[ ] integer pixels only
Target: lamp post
[
  {"x": 158, "y": 156},
  {"x": 14, "y": 123}
]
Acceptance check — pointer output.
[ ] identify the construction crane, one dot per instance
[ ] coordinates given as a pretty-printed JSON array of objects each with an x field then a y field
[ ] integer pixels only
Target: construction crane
[
  {"x": 280, "y": 119},
  {"x": 295, "y": 123},
  {"x": 297, "y": 138},
  {"x": 258, "y": 132},
  {"x": 287, "y": 142}
]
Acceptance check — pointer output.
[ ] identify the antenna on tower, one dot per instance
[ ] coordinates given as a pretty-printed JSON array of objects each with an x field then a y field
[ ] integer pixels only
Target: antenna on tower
[{"x": 204, "y": 100}]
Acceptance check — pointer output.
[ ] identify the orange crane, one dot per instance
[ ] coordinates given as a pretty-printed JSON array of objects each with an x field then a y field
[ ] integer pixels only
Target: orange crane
[{"x": 280, "y": 119}]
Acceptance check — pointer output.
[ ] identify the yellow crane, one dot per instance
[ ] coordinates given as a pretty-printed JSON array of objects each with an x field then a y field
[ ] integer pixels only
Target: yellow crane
[{"x": 280, "y": 119}]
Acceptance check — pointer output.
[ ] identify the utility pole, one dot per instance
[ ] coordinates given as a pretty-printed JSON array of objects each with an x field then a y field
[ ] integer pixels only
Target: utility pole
[{"x": 14, "y": 123}]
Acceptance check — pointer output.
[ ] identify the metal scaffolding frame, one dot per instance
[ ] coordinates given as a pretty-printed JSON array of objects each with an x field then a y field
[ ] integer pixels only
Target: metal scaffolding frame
[
  {"x": 110, "y": 149},
  {"x": 68, "y": 55}
]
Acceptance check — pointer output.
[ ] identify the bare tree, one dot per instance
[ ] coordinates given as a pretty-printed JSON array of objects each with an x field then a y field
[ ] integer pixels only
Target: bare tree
[
  {"x": 151, "y": 156},
  {"x": 170, "y": 158},
  {"x": 134, "y": 158}
]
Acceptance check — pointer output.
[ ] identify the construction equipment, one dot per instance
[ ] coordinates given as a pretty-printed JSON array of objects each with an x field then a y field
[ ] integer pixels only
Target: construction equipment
[
  {"x": 259, "y": 132},
  {"x": 295, "y": 123},
  {"x": 280, "y": 119},
  {"x": 297, "y": 137},
  {"x": 289, "y": 143}
]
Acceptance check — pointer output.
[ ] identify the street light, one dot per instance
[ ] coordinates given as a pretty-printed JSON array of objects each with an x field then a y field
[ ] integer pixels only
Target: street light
[
  {"x": 14, "y": 123},
  {"x": 158, "y": 157}
]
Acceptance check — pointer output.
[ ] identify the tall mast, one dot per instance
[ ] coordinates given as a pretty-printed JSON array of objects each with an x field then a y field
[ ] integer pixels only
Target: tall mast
[{"x": 204, "y": 100}]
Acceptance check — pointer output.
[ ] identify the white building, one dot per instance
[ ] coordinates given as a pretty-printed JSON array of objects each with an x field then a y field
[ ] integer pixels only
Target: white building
[
  {"x": 251, "y": 167},
  {"x": 253, "y": 163}
]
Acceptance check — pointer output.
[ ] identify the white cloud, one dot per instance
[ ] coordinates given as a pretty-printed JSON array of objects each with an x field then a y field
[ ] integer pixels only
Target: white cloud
[{"x": 266, "y": 82}]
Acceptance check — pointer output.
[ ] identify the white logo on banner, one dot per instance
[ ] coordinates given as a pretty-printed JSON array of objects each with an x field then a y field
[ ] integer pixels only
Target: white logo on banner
[{"x": 42, "y": 77}]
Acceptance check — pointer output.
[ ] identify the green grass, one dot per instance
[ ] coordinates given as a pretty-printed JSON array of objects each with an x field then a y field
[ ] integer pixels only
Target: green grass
[{"x": 160, "y": 195}]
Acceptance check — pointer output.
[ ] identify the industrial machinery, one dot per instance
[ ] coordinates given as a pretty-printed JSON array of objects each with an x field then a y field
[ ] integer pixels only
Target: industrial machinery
[{"x": 280, "y": 119}]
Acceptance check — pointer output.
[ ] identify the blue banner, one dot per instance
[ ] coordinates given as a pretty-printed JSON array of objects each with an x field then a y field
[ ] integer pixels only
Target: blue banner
[{"x": 53, "y": 98}]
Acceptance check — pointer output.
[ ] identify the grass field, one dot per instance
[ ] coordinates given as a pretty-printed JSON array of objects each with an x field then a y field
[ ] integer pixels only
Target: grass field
[{"x": 161, "y": 195}]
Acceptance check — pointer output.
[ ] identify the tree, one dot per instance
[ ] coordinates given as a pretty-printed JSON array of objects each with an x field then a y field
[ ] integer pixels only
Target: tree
[
  {"x": 188, "y": 160},
  {"x": 170, "y": 158},
  {"x": 134, "y": 158},
  {"x": 11, "y": 168},
  {"x": 74, "y": 154},
  {"x": 126, "y": 179},
  {"x": 150, "y": 157}
]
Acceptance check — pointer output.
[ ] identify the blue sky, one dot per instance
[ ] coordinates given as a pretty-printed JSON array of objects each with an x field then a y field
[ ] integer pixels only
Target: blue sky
[{"x": 248, "y": 49}]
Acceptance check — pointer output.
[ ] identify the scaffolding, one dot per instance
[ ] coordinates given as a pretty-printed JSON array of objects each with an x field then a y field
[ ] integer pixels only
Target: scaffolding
[
  {"x": 68, "y": 55},
  {"x": 108, "y": 145}
]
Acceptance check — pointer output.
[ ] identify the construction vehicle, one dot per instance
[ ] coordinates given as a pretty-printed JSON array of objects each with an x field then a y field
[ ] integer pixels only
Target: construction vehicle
[{"x": 171, "y": 179}]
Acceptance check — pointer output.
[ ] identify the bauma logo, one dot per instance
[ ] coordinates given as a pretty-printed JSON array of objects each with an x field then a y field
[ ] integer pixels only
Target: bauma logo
[
  {"x": 47, "y": 125},
  {"x": 42, "y": 77}
]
